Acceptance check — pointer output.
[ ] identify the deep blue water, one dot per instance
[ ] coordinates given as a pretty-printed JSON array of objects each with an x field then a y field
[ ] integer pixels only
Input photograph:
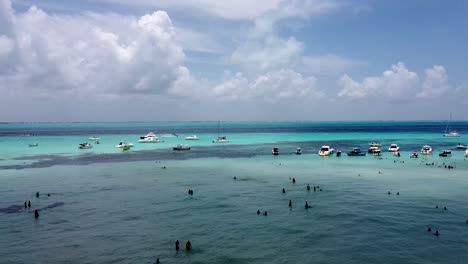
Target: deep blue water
[{"x": 41, "y": 129}]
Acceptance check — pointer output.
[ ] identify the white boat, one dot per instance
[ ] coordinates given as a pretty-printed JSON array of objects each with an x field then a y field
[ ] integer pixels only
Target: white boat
[
  {"x": 181, "y": 147},
  {"x": 426, "y": 150},
  {"x": 374, "y": 149},
  {"x": 94, "y": 138},
  {"x": 461, "y": 146},
  {"x": 221, "y": 140},
  {"x": 169, "y": 135},
  {"x": 298, "y": 151},
  {"x": 448, "y": 132},
  {"x": 466, "y": 152},
  {"x": 275, "y": 151},
  {"x": 325, "y": 151},
  {"x": 375, "y": 144},
  {"x": 394, "y": 148},
  {"x": 85, "y": 146},
  {"x": 123, "y": 144},
  {"x": 149, "y": 138},
  {"x": 192, "y": 137}
]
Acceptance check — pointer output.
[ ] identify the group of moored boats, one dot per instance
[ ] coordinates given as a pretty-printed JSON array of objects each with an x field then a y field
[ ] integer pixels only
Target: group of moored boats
[
  {"x": 375, "y": 149},
  {"x": 149, "y": 138}
]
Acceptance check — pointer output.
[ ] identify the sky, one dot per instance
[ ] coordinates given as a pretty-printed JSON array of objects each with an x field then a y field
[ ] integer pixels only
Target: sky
[{"x": 245, "y": 60}]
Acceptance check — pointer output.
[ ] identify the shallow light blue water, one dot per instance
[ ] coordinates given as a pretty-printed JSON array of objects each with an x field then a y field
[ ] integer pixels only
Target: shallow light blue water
[{"x": 132, "y": 210}]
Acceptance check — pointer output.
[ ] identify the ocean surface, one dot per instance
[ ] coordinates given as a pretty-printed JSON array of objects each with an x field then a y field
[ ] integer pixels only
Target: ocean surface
[{"x": 111, "y": 206}]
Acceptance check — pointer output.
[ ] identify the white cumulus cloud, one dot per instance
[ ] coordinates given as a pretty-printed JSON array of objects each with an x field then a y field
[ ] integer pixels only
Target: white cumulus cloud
[
  {"x": 396, "y": 83},
  {"x": 90, "y": 53},
  {"x": 435, "y": 83}
]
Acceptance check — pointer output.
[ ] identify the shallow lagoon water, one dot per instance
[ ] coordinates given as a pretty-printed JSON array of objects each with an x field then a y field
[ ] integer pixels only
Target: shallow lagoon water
[{"x": 132, "y": 211}]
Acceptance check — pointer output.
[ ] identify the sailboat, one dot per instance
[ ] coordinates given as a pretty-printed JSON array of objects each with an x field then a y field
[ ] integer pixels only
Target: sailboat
[
  {"x": 220, "y": 139},
  {"x": 448, "y": 132}
]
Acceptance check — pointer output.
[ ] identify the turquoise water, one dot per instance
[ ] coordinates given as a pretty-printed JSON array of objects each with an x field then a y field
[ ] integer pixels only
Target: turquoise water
[{"x": 124, "y": 208}]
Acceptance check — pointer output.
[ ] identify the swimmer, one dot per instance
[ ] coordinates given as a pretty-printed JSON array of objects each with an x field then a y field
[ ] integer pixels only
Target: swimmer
[
  {"x": 36, "y": 214},
  {"x": 29, "y": 203},
  {"x": 306, "y": 205},
  {"x": 265, "y": 213},
  {"x": 284, "y": 191},
  {"x": 37, "y": 194},
  {"x": 235, "y": 178},
  {"x": 437, "y": 207},
  {"x": 290, "y": 204},
  {"x": 308, "y": 187},
  {"x": 188, "y": 245},
  {"x": 294, "y": 180},
  {"x": 445, "y": 208},
  {"x": 25, "y": 204},
  {"x": 258, "y": 212},
  {"x": 177, "y": 245},
  {"x": 429, "y": 229},
  {"x": 315, "y": 188},
  {"x": 398, "y": 193},
  {"x": 437, "y": 233},
  {"x": 389, "y": 193}
]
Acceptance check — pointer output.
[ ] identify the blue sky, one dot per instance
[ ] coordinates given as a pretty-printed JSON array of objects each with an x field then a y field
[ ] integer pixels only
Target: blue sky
[{"x": 111, "y": 60}]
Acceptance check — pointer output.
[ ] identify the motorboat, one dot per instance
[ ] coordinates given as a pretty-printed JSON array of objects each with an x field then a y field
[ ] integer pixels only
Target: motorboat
[
  {"x": 325, "y": 151},
  {"x": 275, "y": 151},
  {"x": 445, "y": 153},
  {"x": 85, "y": 146},
  {"x": 34, "y": 145},
  {"x": 149, "y": 138},
  {"x": 374, "y": 149},
  {"x": 461, "y": 146},
  {"x": 375, "y": 144},
  {"x": 466, "y": 152},
  {"x": 356, "y": 152},
  {"x": 123, "y": 145},
  {"x": 414, "y": 155},
  {"x": 94, "y": 138},
  {"x": 394, "y": 148},
  {"x": 221, "y": 140},
  {"x": 181, "y": 147},
  {"x": 338, "y": 153},
  {"x": 298, "y": 151},
  {"x": 426, "y": 150},
  {"x": 192, "y": 137}
]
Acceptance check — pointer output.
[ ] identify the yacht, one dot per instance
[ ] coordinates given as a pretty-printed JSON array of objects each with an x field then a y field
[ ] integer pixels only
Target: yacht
[
  {"x": 221, "y": 140},
  {"x": 375, "y": 144},
  {"x": 374, "y": 149},
  {"x": 325, "y": 151},
  {"x": 181, "y": 147},
  {"x": 414, "y": 155},
  {"x": 394, "y": 148},
  {"x": 149, "y": 138},
  {"x": 275, "y": 151},
  {"x": 94, "y": 138},
  {"x": 85, "y": 146},
  {"x": 448, "y": 132},
  {"x": 123, "y": 145},
  {"x": 426, "y": 150},
  {"x": 461, "y": 146},
  {"x": 445, "y": 153},
  {"x": 298, "y": 151},
  {"x": 356, "y": 152},
  {"x": 192, "y": 137}
]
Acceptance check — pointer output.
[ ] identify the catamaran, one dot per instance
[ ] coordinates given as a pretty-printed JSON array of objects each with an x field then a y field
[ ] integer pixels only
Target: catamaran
[{"x": 220, "y": 139}]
